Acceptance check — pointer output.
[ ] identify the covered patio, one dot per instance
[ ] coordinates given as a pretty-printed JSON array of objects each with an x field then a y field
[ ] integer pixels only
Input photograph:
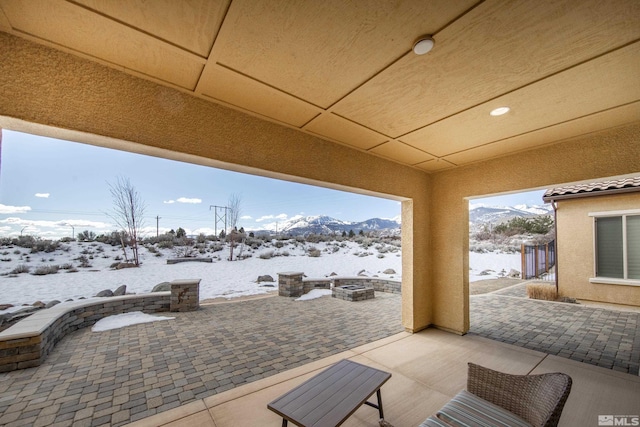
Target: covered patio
[
  {"x": 332, "y": 94},
  {"x": 428, "y": 368}
]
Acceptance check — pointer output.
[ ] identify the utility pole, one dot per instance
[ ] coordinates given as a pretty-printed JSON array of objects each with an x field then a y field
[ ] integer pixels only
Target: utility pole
[
  {"x": 219, "y": 217},
  {"x": 157, "y": 225}
]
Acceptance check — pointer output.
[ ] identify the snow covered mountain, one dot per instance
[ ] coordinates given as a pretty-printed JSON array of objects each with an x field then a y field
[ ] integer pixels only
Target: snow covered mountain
[
  {"x": 480, "y": 214},
  {"x": 322, "y": 224}
]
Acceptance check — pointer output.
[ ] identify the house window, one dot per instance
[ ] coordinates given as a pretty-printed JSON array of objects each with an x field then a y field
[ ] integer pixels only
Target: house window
[{"x": 618, "y": 246}]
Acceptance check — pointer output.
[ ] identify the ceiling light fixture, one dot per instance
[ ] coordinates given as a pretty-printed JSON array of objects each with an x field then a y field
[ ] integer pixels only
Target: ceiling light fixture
[
  {"x": 500, "y": 111},
  {"x": 423, "y": 45}
]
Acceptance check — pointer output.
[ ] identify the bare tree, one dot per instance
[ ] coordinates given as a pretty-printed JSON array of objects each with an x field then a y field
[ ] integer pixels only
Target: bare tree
[
  {"x": 128, "y": 213},
  {"x": 234, "y": 208}
]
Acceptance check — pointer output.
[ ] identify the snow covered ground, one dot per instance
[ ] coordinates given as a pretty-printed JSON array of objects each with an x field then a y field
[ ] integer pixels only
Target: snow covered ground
[
  {"x": 221, "y": 278},
  {"x": 496, "y": 264}
]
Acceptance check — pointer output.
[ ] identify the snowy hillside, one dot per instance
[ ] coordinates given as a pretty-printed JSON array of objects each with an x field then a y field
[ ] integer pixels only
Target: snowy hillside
[
  {"x": 83, "y": 268},
  {"x": 480, "y": 215},
  {"x": 322, "y": 224}
]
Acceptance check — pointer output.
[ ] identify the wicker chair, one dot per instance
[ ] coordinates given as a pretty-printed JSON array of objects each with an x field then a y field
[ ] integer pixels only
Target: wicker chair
[{"x": 539, "y": 399}]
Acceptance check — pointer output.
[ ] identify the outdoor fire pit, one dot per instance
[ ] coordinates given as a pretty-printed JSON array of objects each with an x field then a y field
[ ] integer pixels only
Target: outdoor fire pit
[{"x": 353, "y": 292}]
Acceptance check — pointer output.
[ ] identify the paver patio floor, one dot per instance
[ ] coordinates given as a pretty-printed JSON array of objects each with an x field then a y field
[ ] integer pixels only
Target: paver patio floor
[
  {"x": 601, "y": 337},
  {"x": 123, "y": 375},
  {"x": 119, "y": 376}
]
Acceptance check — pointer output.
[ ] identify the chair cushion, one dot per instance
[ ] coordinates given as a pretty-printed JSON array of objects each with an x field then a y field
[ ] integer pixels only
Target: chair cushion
[
  {"x": 467, "y": 409},
  {"x": 432, "y": 421}
]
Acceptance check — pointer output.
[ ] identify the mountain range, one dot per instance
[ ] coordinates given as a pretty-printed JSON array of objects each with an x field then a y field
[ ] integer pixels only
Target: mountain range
[
  {"x": 480, "y": 214},
  {"x": 322, "y": 224}
]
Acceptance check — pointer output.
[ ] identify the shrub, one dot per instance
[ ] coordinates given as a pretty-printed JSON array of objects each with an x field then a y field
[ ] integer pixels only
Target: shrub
[
  {"x": 17, "y": 252},
  {"x": 87, "y": 235},
  {"x": 542, "y": 291},
  {"x": 84, "y": 261},
  {"x": 285, "y": 253},
  {"x": 152, "y": 249},
  {"x": 266, "y": 255},
  {"x": 66, "y": 266},
  {"x": 279, "y": 244},
  {"x": 313, "y": 252},
  {"x": 184, "y": 252},
  {"x": 46, "y": 269},
  {"x": 538, "y": 225},
  {"x": 5, "y": 259},
  {"x": 44, "y": 246},
  {"x": 113, "y": 238},
  {"x": 21, "y": 269},
  {"x": 165, "y": 244}
]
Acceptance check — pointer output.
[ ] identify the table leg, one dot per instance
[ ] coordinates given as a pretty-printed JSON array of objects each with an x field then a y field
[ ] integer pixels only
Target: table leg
[{"x": 380, "y": 404}]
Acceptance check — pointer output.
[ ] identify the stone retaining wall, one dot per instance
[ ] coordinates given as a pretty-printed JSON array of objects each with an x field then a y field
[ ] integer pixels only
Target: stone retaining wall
[
  {"x": 378, "y": 284},
  {"x": 185, "y": 295},
  {"x": 352, "y": 295},
  {"x": 310, "y": 284},
  {"x": 292, "y": 284},
  {"x": 27, "y": 343},
  {"x": 179, "y": 260}
]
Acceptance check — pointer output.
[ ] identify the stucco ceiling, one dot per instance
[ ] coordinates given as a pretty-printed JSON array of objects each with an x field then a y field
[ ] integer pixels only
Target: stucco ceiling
[{"x": 344, "y": 69}]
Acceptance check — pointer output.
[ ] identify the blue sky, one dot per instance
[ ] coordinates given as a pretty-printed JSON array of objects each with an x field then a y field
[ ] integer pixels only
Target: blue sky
[
  {"x": 47, "y": 186},
  {"x": 46, "y": 183}
]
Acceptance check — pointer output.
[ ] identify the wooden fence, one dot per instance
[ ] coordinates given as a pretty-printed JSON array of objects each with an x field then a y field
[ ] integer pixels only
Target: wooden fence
[{"x": 539, "y": 261}]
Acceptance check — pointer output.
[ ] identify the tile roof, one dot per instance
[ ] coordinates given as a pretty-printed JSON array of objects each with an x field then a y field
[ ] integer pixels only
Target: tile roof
[{"x": 592, "y": 189}]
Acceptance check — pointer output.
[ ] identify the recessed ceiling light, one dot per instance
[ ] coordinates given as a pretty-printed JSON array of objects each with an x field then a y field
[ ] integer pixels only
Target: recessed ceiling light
[
  {"x": 423, "y": 45},
  {"x": 500, "y": 111}
]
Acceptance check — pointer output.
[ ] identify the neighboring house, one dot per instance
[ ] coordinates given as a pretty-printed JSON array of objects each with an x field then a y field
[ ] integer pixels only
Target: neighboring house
[{"x": 598, "y": 238}]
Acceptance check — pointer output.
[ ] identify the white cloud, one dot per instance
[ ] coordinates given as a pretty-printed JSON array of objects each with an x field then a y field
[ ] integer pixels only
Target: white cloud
[
  {"x": 187, "y": 200},
  {"x": 4, "y": 209},
  {"x": 56, "y": 224},
  {"x": 207, "y": 231},
  {"x": 194, "y": 201},
  {"x": 246, "y": 217},
  {"x": 280, "y": 217},
  {"x": 43, "y": 195}
]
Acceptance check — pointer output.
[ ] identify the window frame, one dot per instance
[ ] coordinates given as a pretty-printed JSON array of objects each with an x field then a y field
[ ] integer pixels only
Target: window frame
[{"x": 613, "y": 280}]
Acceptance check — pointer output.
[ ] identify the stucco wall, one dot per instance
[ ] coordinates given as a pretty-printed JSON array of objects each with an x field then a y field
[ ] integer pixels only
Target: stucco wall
[
  {"x": 44, "y": 91},
  {"x": 576, "y": 249},
  {"x": 589, "y": 158}
]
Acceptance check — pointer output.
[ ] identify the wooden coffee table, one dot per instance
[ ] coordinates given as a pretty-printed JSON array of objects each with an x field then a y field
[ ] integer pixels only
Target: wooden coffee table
[{"x": 329, "y": 398}]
